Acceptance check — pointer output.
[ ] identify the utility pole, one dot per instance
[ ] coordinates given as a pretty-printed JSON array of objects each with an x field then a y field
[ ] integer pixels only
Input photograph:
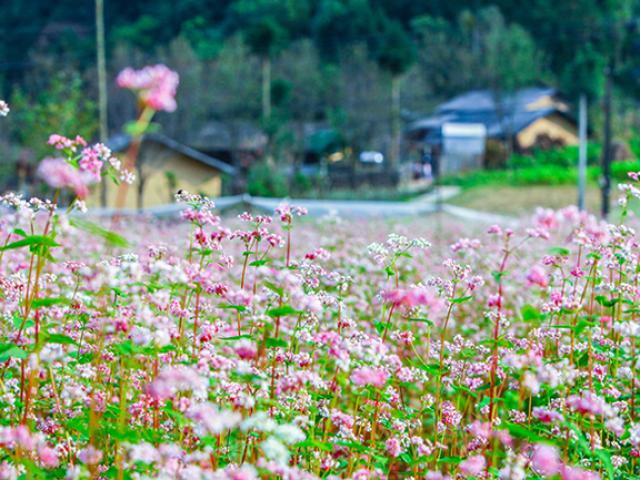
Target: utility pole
[
  {"x": 582, "y": 153},
  {"x": 102, "y": 85},
  {"x": 606, "y": 152}
]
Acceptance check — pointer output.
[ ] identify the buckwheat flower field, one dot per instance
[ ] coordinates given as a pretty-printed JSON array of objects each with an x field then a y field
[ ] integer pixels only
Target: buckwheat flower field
[{"x": 279, "y": 346}]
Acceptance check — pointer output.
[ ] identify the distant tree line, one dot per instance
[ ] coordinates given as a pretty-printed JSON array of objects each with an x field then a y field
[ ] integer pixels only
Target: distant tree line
[{"x": 360, "y": 67}]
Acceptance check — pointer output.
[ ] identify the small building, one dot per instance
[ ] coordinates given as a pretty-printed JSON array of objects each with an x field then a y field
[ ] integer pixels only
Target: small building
[
  {"x": 236, "y": 142},
  {"x": 163, "y": 167},
  {"x": 530, "y": 118}
]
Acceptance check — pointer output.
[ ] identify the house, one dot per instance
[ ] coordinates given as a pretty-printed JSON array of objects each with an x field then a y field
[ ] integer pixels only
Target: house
[
  {"x": 163, "y": 167},
  {"x": 237, "y": 142},
  {"x": 530, "y": 118}
]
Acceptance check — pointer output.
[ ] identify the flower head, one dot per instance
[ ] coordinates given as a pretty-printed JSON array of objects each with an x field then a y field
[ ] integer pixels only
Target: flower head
[
  {"x": 155, "y": 85},
  {"x": 59, "y": 174}
]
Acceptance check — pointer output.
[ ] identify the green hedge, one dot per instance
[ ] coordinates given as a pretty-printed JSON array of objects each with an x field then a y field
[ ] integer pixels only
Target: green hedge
[{"x": 554, "y": 167}]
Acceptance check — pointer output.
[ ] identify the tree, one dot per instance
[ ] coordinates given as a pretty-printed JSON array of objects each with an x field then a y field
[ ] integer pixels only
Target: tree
[
  {"x": 395, "y": 54},
  {"x": 62, "y": 107},
  {"x": 511, "y": 61}
]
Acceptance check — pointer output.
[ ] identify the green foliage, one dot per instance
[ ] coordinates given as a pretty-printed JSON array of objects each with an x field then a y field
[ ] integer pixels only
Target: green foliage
[
  {"x": 395, "y": 52},
  {"x": 62, "y": 107},
  {"x": 265, "y": 180},
  {"x": 540, "y": 175},
  {"x": 619, "y": 170},
  {"x": 560, "y": 157}
]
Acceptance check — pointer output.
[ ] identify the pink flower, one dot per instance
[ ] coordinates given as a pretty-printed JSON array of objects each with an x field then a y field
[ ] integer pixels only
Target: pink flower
[
  {"x": 286, "y": 212},
  {"x": 59, "y": 174},
  {"x": 4, "y": 108},
  {"x": 472, "y": 466},
  {"x": 546, "y": 218},
  {"x": 156, "y": 85},
  {"x": 375, "y": 377},
  {"x": 393, "y": 447},
  {"x": 480, "y": 429},
  {"x": 537, "y": 276},
  {"x": 246, "y": 349},
  {"x": 495, "y": 301},
  {"x": 546, "y": 415},
  {"x": 60, "y": 142},
  {"x": 589, "y": 403},
  {"x": 91, "y": 163},
  {"x": 545, "y": 460},
  {"x": 575, "y": 473},
  {"x": 411, "y": 297},
  {"x": 48, "y": 457},
  {"x": 90, "y": 455}
]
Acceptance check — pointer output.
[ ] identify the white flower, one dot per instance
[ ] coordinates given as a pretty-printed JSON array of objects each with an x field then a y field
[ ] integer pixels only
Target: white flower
[
  {"x": 144, "y": 452},
  {"x": 275, "y": 450},
  {"x": 289, "y": 433},
  {"x": 210, "y": 420}
]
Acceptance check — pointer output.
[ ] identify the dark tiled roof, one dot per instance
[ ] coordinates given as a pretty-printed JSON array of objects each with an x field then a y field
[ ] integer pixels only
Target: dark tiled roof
[
  {"x": 484, "y": 100},
  {"x": 479, "y": 106},
  {"x": 121, "y": 142}
]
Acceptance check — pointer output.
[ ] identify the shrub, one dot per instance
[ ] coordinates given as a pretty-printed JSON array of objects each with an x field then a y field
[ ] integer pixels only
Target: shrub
[{"x": 265, "y": 180}]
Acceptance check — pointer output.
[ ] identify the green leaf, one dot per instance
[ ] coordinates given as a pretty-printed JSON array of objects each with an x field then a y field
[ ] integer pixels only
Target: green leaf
[
  {"x": 282, "y": 311},
  {"x": 110, "y": 237},
  {"x": 31, "y": 241},
  {"x": 530, "y": 313},
  {"x": 274, "y": 288},
  {"x": 461, "y": 299},
  {"x": 238, "y": 308},
  {"x": 11, "y": 350},
  {"x": 561, "y": 251},
  {"x": 497, "y": 276},
  {"x": 235, "y": 337},
  {"x": 49, "y": 301},
  {"x": 526, "y": 433},
  {"x": 275, "y": 343},
  {"x": 59, "y": 338},
  {"x": 326, "y": 446},
  {"x": 421, "y": 320},
  {"x": 605, "y": 302},
  {"x": 258, "y": 263}
]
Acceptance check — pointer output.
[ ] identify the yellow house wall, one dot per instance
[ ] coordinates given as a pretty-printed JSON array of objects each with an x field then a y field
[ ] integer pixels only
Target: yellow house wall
[
  {"x": 190, "y": 175},
  {"x": 555, "y": 126}
]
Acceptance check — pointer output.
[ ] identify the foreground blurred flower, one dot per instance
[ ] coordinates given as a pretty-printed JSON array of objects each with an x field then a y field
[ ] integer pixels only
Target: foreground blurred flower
[
  {"x": 375, "y": 377},
  {"x": 155, "y": 85},
  {"x": 546, "y": 460},
  {"x": 472, "y": 466},
  {"x": 4, "y": 108},
  {"x": 59, "y": 174}
]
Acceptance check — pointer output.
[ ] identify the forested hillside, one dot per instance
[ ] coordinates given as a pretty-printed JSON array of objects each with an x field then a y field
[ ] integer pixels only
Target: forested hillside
[{"x": 358, "y": 66}]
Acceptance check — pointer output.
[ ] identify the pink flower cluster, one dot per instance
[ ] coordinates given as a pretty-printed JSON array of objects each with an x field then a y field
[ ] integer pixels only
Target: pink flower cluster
[
  {"x": 365, "y": 376},
  {"x": 60, "y": 142},
  {"x": 58, "y": 174},
  {"x": 155, "y": 85}
]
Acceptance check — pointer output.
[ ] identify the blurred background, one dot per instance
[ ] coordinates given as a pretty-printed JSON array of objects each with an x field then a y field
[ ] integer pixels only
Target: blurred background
[{"x": 336, "y": 99}]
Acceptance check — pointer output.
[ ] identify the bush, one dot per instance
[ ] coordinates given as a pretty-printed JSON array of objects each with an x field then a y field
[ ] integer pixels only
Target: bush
[
  {"x": 543, "y": 175},
  {"x": 266, "y": 181},
  {"x": 619, "y": 170},
  {"x": 560, "y": 157}
]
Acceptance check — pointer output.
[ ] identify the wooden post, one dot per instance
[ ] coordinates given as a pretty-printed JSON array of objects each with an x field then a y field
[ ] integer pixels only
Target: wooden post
[
  {"x": 582, "y": 153},
  {"x": 102, "y": 85},
  {"x": 606, "y": 148}
]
